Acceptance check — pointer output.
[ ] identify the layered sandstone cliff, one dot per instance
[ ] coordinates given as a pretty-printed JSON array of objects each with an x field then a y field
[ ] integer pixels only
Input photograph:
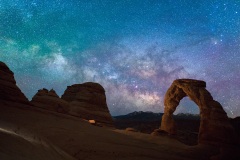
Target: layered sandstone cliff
[
  {"x": 88, "y": 100},
  {"x": 10, "y": 94},
  {"x": 50, "y": 100}
]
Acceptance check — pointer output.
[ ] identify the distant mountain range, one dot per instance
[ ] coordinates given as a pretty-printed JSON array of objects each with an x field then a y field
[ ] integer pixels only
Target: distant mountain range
[
  {"x": 140, "y": 116},
  {"x": 146, "y": 117},
  {"x": 151, "y": 116},
  {"x": 146, "y": 122}
]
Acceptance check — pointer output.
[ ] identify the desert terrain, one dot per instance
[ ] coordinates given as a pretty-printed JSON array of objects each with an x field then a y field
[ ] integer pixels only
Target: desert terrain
[
  {"x": 36, "y": 134},
  {"x": 57, "y": 128}
]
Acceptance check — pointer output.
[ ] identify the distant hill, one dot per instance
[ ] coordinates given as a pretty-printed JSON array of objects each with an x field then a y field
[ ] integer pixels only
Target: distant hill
[
  {"x": 144, "y": 122},
  {"x": 140, "y": 116},
  {"x": 148, "y": 121},
  {"x": 187, "y": 116},
  {"x": 151, "y": 116}
]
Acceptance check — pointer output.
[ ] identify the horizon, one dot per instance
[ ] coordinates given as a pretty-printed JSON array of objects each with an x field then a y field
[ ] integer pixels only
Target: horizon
[{"x": 134, "y": 49}]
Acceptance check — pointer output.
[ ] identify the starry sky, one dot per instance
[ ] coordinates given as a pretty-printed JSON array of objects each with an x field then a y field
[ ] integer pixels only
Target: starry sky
[{"x": 134, "y": 48}]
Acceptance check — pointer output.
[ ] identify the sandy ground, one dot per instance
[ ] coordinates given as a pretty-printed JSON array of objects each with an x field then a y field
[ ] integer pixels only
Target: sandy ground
[
  {"x": 28, "y": 133},
  {"x": 15, "y": 147}
]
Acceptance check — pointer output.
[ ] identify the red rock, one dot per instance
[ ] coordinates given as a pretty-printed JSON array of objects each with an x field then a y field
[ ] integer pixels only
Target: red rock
[
  {"x": 88, "y": 101},
  {"x": 50, "y": 100},
  {"x": 10, "y": 94},
  {"x": 215, "y": 127}
]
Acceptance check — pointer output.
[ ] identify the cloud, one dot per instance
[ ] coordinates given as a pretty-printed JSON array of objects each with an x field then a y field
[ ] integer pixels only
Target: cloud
[{"x": 57, "y": 65}]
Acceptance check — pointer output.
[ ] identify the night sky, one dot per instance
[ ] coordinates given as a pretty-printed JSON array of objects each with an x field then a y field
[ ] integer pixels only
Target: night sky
[{"x": 134, "y": 48}]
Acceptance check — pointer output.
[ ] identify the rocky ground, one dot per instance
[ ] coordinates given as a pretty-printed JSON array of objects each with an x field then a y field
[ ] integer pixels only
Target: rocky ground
[{"x": 80, "y": 140}]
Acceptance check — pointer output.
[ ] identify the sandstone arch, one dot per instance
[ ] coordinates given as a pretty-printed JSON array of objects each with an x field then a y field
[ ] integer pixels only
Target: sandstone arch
[{"x": 215, "y": 127}]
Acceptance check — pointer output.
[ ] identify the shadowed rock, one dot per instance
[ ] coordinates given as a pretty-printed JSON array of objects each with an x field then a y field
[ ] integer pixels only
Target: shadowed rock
[
  {"x": 88, "y": 101},
  {"x": 10, "y": 94},
  {"x": 215, "y": 127},
  {"x": 50, "y": 100}
]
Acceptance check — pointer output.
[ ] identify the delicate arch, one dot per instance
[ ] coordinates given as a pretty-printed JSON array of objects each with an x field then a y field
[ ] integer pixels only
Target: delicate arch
[{"x": 214, "y": 128}]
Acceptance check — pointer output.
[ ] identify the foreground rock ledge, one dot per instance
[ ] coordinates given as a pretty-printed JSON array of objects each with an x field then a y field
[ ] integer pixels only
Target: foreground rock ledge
[{"x": 215, "y": 127}]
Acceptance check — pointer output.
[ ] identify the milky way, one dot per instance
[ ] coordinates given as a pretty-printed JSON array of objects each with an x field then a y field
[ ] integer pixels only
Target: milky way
[{"x": 134, "y": 48}]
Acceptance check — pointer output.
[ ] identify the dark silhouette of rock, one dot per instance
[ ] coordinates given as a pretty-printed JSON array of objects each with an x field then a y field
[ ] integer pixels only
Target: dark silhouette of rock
[
  {"x": 50, "y": 100},
  {"x": 147, "y": 122},
  {"x": 236, "y": 125},
  {"x": 215, "y": 127},
  {"x": 10, "y": 94},
  {"x": 140, "y": 116},
  {"x": 144, "y": 122},
  {"x": 88, "y": 101}
]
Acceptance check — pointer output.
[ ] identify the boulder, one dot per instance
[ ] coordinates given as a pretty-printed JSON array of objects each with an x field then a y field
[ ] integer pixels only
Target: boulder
[
  {"x": 10, "y": 94},
  {"x": 50, "y": 100},
  {"x": 215, "y": 127},
  {"x": 88, "y": 101}
]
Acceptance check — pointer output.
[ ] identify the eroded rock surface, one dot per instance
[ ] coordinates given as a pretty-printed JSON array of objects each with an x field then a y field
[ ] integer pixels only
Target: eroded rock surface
[
  {"x": 50, "y": 100},
  {"x": 10, "y": 94},
  {"x": 88, "y": 101},
  {"x": 215, "y": 127}
]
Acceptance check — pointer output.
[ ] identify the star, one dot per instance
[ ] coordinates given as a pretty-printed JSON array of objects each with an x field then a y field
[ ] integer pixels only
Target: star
[{"x": 133, "y": 49}]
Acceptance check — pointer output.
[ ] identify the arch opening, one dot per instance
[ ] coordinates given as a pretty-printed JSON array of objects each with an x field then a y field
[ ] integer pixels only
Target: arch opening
[
  {"x": 187, "y": 106},
  {"x": 187, "y": 121}
]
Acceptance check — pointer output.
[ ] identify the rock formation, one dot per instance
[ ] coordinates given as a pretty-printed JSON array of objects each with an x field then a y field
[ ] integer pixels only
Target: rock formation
[
  {"x": 50, "y": 100},
  {"x": 88, "y": 101},
  {"x": 215, "y": 127},
  {"x": 10, "y": 94}
]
